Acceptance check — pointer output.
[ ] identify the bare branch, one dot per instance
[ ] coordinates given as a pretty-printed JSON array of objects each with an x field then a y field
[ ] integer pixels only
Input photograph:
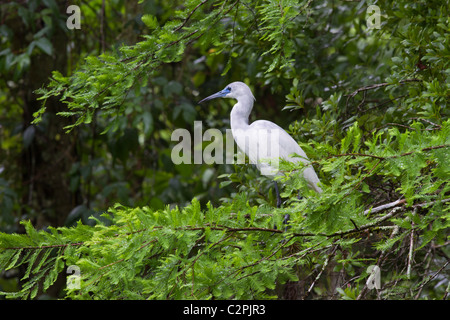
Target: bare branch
[
  {"x": 379, "y": 85},
  {"x": 431, "y": 278},
  {"x": 384, "y": 158},
  {"x": 385, "y": 206},
  {"x": 325, "y": 264}
]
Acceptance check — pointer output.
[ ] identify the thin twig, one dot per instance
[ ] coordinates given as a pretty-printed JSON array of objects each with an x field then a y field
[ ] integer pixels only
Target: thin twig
[
  {"x": 366, "y": 226},
  {"x": 196, "y": 258},
  {"x": 378, "y": 85},
  {"x": 282, "y": 245},
  {"x": 367, "y": 175},
  {"x": 190, "y": 15},
  {"x": 384, "y": 102},
  {"x": 431, "y": 278},
  {"x": 381, "y": 260},
  {"x": 392, "y": 124},
  {"x": 385, "y": 206},
  {"x": 428, "y": 121},
  {"x": 374, "y": 86},
  {"x": 401, "y": 202},
  {"x": 321, "y": 271},
  {"x": 411, "y": 247},
  {"x": 384, "y": 158}
]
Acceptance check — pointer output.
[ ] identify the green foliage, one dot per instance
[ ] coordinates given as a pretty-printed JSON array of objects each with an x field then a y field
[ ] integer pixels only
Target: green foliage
[
  {"x": 233, "y": 251},
  {"x": 368, "y": 106}
]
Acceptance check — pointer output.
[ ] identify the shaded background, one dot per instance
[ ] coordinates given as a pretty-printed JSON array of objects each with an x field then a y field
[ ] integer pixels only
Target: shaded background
[{"x": 54, "y": 178}]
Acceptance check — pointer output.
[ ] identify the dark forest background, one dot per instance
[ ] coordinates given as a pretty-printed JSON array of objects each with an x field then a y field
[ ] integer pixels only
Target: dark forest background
[{"x": 315, "y": 69}]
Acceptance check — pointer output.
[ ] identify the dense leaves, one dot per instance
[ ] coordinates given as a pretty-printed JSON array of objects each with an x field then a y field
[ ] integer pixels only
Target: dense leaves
[{"x": 369, "y": 107}]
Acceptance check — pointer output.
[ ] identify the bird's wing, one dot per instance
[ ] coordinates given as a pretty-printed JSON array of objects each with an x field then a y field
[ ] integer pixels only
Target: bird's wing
[
  {"x": 266, "y": 140},
  {"x": 286, "y": 144}
]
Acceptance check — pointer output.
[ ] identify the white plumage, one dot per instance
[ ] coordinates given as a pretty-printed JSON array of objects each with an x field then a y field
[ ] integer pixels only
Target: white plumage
[{"x": 262, "y": 141}]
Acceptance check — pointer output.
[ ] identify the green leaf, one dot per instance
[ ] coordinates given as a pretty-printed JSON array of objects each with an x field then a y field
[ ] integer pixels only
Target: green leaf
[
  {"x": 45, "y": 45},
  {"x": 150, "y": 21},
  {"x": 14, "y": 259}
]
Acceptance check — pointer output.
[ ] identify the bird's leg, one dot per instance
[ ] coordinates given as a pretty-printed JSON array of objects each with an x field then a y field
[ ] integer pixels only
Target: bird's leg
[
  {"x": 277, "y": 192},
  {"x": 286, "y": 216},
  {"x": 278, "y": 195},
  {"x": 286, "y": 221}
]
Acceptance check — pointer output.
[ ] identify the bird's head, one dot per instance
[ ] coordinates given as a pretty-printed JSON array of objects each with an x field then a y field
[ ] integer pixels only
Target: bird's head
[{"x": 235, "y": 90}]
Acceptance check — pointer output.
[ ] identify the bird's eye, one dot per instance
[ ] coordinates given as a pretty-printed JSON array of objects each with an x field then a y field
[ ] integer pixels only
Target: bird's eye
[{"x": 228, "y": 88}]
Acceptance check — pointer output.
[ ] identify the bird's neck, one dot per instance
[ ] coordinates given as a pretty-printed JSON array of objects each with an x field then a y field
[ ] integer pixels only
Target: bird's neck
[{"x": 240, "y": 113}]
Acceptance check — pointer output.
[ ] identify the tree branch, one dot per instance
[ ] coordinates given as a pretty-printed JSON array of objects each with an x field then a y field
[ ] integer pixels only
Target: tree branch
[
  {"x": 190, "y": 15},
  {"x": 378, "y": 85},
  {"x": 325, "y": 264},
  {"x": 431, "y": 278},
  {"x": 385, "y": 206},
  {"x": 384, "y": 158}
]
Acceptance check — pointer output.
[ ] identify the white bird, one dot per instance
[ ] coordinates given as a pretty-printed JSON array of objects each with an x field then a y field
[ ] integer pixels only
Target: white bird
[{"x": 263, "y": 141}]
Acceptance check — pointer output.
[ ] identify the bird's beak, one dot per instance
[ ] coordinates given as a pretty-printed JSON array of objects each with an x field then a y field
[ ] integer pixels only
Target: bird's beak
[{"x": 219, "y": 94}]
